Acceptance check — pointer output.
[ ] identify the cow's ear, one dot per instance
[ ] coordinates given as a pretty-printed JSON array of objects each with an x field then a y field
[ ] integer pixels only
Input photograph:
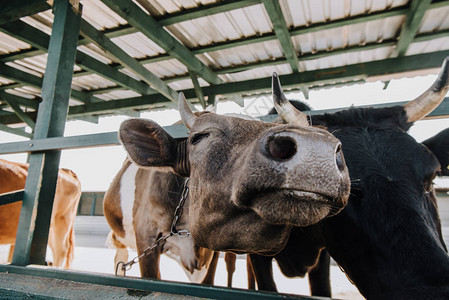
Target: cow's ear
[
  {"x": 147, "y": 143},
  {"x": 439, "y": 145}
]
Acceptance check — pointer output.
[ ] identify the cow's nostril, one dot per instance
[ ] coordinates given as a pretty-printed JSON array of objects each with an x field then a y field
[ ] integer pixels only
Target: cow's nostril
[
  {"x": 281, "y": 147},
  {"x": 340, "y": 161}
]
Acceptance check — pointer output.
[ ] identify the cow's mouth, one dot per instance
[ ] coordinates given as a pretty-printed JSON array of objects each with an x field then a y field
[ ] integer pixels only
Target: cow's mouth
[
  {"x": 307, "y": 196},
  {"x": 294, "y": 207}
]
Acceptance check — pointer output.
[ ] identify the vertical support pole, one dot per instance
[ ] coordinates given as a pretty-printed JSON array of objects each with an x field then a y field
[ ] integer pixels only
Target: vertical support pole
[
  {"x": 197, "y": 88},
  {"x": 34, "y": 223},
  {"x": 94, "y": 204}
]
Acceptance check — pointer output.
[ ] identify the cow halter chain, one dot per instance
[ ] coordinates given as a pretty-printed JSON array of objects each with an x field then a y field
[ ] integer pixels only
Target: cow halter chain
[{"x": 173, "y": 231}]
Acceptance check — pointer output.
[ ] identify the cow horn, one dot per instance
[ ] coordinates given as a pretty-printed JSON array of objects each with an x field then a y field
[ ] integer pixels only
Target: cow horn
[
  {"x": 431, "y": 98},
  {"x": 187, "y": 116},
  {"x": 284, "y": 108}
]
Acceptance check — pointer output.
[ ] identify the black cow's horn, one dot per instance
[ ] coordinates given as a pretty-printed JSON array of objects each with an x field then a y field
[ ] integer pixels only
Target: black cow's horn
[
  {"x": 431, "y": 98},
  {"x": 284, "y": 108},
  {"x": 187, "y": 116}
]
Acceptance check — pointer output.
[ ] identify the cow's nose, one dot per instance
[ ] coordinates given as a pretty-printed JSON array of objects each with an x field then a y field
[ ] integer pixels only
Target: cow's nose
[
  {"x": 339, "y": 160},
  {"x": 281, "y": 147},
  {"x": 312, "y": 150}
]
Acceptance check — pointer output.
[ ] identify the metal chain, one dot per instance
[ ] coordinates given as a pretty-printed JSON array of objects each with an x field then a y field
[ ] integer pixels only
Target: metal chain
[{"x": 173, "y": 231}]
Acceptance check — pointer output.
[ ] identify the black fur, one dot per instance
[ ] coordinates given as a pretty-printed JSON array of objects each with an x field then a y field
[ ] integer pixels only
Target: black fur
[
  {"x": 296, "y": 103},
  {"x": 388, "y": 238}
]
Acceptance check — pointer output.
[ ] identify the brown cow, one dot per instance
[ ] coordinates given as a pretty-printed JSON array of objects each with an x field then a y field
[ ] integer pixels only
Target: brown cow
[
  {"x": 61, "y": 238},
  {"x": 139, "y": 207},
  {"x": 250, "y": 181}
]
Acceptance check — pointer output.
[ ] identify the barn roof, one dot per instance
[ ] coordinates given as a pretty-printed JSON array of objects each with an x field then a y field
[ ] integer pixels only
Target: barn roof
[{"x": 136, "y": 55}]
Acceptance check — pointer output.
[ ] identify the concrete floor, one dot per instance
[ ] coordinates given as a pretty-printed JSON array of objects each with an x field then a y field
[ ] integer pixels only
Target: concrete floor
[{"x": 91, "y": 255}]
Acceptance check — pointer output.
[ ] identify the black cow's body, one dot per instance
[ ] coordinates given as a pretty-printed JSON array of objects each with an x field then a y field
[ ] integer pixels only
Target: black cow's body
[{"x": 388, "y": 239}]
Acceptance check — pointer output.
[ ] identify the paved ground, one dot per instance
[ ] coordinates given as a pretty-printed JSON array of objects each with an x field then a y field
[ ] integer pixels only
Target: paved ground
[
  {"x": 91, "y": 255},
  {"x": 91, "y": 235}
]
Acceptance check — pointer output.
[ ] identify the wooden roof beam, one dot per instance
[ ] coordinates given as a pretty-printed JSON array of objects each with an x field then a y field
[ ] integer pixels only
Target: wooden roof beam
[
  {"x": 411, "y": 26},
  {"x": 198, "y": 90},
  {"x": 13, "y": 10},
  {"x": 189, "y": 14},
  {"x": 25, "y": 102},
  {"x": 104, "y": 43},
  {"x": 304, "y": 57},
  {"x": 274, "y": 10},
  {"x": 35, "y": 81},
  {"x": 329, "y": 76},
  {"x": 15, "y": 131},
  {"x": 10, "y": 99},
  {"x": 205, "y": 10},
  {"x": 127, "y": 29},
  {"x": 40, "y": 40},
  {"x": 153, "y": 30}
]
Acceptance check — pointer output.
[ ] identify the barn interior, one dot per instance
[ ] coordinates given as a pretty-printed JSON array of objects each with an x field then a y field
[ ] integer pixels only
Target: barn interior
[{"x": 83, "y": 60}]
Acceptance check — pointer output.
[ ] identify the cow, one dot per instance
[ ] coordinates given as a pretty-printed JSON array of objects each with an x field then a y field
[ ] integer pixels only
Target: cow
[
  {"x": 139, "y": 207},
  {"x": 250, "y": 181},
  {"x": 155, "y": 189},
  {"x": 61, "y": 237},
  {"x": 388, "y": 238}
]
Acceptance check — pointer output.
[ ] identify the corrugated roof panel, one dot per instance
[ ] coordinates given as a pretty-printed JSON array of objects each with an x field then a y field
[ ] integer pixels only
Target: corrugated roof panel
[
  {"x": 167, "y": 68},
  {"x": 76, "y": 68},
  {"x": 228, "y": 27},
  {"x": 248, "y": 21},
  {"x": 95, "y": 52},
  {"x": 34, "y": 91},
  {"x": 258, "y": 18},
  {"x": 14, "y": 92},
  {"x": 91, "y": 81},
  {"x": 4, "y": 81},
  {"x": 36, "y": 63},
  {"x": 157, "y": 7},
  {"x": 42, "y": 21},
  {"x": 164, "y": 7},
  {"x": 129, "y": 73},
  {"x": 182, "y": 35},
  {"x": 260, "y": 72},
  {"x": 137, "y": 45},
  {"x": 305, "y": 12},
  {"x": 24, "y": 69},
  {"x": 246, "y": 54},
  {"x": 117, "y": 94},
  {"x": 435, "y": 19},
  {"x": 347, "y": 58},
  {"x": 10, "y": 44},
  {"x": 185, "y": 84},
  {"x": 352, "y": 35},
  {"x": 428, "y": 46},
  {"x": 100, "y": 16},
  {"x": 26, "y": 91}
]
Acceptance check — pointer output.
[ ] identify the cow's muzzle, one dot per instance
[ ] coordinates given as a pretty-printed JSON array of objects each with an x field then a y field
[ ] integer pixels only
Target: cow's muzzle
[{"x": 311, "y": 149}]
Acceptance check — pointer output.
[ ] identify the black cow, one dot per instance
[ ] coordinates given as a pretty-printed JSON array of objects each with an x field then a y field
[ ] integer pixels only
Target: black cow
[
  {"x": 388, "y": 239},
  {"x": 439, "y": 145}
]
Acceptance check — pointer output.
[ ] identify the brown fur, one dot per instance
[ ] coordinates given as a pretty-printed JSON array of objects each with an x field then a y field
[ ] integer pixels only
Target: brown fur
[
  {"x": 245, "y": 198},
  {"x": 61, "y": 237},
  {"x": 155, "y": 198}
]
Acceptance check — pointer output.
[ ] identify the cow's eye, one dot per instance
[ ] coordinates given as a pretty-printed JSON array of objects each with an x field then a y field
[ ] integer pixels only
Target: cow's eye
[{"x": 198, "y": 137}]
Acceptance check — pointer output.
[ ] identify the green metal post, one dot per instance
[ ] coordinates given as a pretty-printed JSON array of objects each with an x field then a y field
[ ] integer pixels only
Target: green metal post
[
  {"x": 94, "y": 203},
  {"x": 32, "y": 234}
]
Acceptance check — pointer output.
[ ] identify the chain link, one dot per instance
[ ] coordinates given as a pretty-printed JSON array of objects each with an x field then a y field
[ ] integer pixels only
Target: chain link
[{"x": 173, "y": 231}]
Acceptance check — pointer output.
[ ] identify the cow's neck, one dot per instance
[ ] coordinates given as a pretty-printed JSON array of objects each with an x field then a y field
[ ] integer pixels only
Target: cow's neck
[{"x": 380, "y": 270}]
